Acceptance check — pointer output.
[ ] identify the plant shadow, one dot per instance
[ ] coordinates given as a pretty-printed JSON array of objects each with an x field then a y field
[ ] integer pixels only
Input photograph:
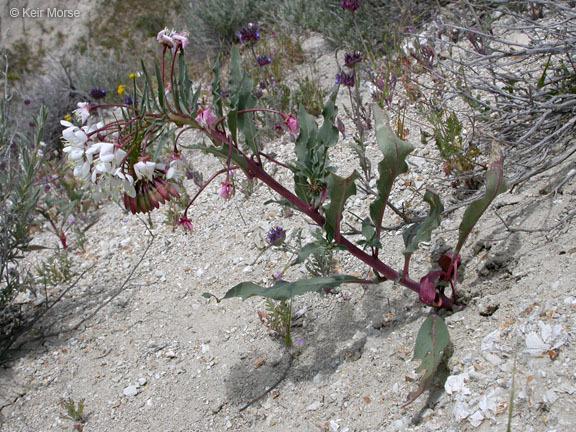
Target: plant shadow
[{"x": 331, "y": 340}]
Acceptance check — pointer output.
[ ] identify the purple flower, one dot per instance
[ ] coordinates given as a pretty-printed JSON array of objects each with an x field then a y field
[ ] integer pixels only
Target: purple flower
[
  {"x": 128, "y": 100},
  {"x": 262, "y": 60},
  {"x": 352, "y": 59},
  {"x": 97, "y": 93},
  {"x": 276, "y": 236},
  {"x": 248, "y": 34},
  {"x": 350, "y": 5},
  {"x": 345, "y": 79}
]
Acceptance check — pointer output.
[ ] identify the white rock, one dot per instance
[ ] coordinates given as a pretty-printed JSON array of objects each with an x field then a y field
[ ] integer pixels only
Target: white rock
[
  {"x": 170, "y": 354},
  {"x": 476, "y": 419},
  {"x": 130, "y": 391},
  {"x": 142, "y": 381},
  {"x": 457, "y": 384},
  {"x": 550, "y": 396},
  {"x": 535, "y": 344},
  {"x": 461, "y": 411},
  {"x": 334, "y": 426},
  {"x": 314, "y": 406}
]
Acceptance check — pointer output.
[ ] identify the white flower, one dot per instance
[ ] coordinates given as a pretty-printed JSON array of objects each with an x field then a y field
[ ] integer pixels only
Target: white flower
[
  {"x": 73, "y": 134},
  {"x": 83, "y": 111},
  {"x": 119, "y": 156},
  {"x": 145, "y": 169},
  {"x": 175, "y": 169},
  {"x": 106, "y": 152},
  {"x": 82, "y": 171}
]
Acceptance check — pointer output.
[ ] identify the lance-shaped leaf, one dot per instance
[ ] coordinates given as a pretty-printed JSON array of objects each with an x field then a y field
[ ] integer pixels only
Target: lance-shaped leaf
[
  {"x": 495, "y": 184},
  {"x": 431, "y": 343},
  {"x": 329, "y": 134},
  {"x": 283, "y": 290},
  {"x": 421, "y": 232},
  {"x": 223, "y": 152},
  {"x": 148, "y": 89},
  {"x": 161, "y": 142},
  {"x": 241, "y": 98},
  {"x": 339, "y": 190},
  {"x": 307, "y": 250},
  {"x": 188, "y": 98},
  {"x": 217, "y": 90},
  {"x": 395, "y": 152},
  {"x": 160, "y": 85},
  {"x": 369, "y": 233}
]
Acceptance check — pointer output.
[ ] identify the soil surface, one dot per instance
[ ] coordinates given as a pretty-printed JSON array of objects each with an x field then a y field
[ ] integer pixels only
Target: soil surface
[{"x": 135, "y": 339}]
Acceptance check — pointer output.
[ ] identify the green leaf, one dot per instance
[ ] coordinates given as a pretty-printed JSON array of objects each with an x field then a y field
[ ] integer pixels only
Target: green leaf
[
  {"x": 329, "y": 134},
  {"x": 186, "y": 97},
  {"x": 542, "y": 79},
  {"x": 369, "y": 233},
  {"x": 395, "y": 152},
  {"x": 161, "y": 143},
  {"x": 241, "y": 98},
  {"x": 431, "y": 343},
  {"x": 217, "y": 90},
  {"x": 307, "y": 250},
  {"x": 283, "y": 290},
  {"x": 421, "y": 232},
  {"x": 312, "y": 169},
  {"x": 339, "y": 190},
  {"x": 223, "y": 152},
  {"x": 148, "y": 86},
  {"x": 495, "y": 185},
  {"x": 160, "y": 86}
]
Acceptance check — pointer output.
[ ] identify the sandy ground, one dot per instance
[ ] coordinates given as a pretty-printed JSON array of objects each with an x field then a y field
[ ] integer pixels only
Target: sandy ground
[{"x": 136, "y": 340}]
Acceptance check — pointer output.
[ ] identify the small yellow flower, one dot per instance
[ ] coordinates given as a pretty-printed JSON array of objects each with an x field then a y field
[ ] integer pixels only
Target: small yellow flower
[
  {"x": 132, "y": 76},
  {"x": 121, "y": 88},
  {"x": 68, "y": 118}
]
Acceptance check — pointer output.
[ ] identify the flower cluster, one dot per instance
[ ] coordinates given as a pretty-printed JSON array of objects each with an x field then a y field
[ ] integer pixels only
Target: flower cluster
[
  {"x": 151, "y": 192},
  {"x": 97, "y": 93},
  {"x": 173, "y": 40},
  {"x": 345, "y": 79},
  {"x": 351, "y": 5},
  {"x": 262, "y": 60},
  {"x": 352, "y": 59},
  {"x": 248, "y": 34},
  {"x": 276, "y": 236},
  {"x": 105, "y": 166}
]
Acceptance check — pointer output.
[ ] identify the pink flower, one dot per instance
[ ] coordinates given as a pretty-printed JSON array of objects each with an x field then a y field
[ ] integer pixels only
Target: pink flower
[
  {"x": 172, "y": 39},
  {"x": 185, "y": 223},
  {"x": 205, "y": 118},
  {"x": 227, "y": 190},
  {"x": 181, "y": 39},
  {"x": 165, "y": 38},
  {"x": 292, "y": 124}
]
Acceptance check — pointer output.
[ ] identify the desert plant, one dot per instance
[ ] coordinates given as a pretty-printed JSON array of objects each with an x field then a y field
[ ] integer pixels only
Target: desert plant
[
  {"x": 74, "y": 413},
  {"x": 20, "y": 159},
  {"x": 138, "y": 157}
]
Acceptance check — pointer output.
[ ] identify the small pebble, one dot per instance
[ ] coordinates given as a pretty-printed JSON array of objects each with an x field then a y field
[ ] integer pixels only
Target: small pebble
[{"x": 131, "y": 390}]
